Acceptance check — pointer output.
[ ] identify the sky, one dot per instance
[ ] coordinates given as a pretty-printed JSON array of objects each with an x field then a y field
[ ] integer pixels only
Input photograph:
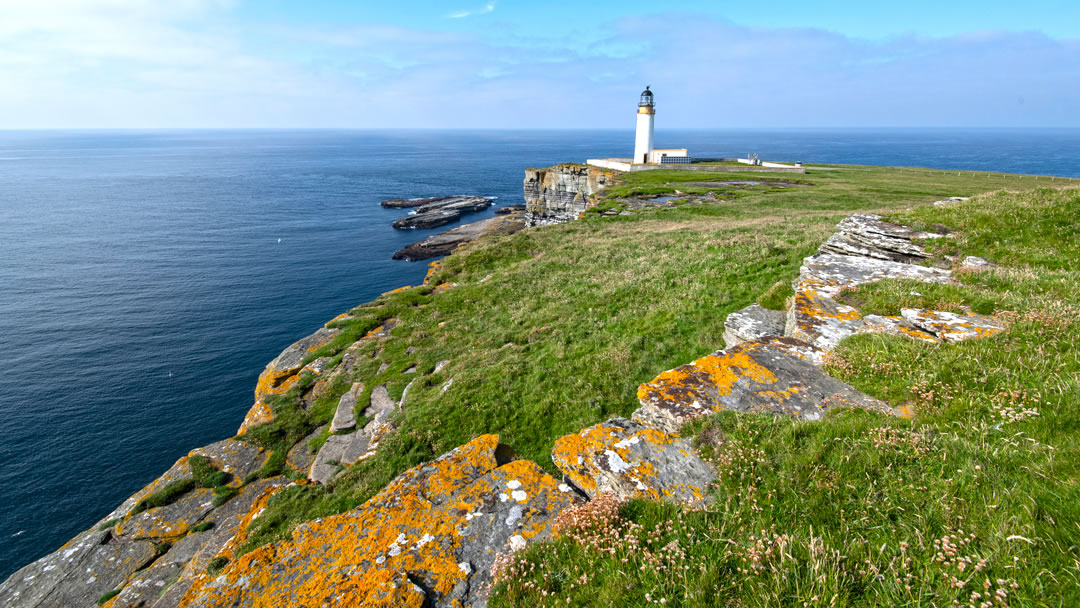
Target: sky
[{"x": 552, "y": 64}]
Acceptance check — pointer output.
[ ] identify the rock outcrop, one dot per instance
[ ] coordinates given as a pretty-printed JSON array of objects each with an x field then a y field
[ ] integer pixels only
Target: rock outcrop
[
  {"x": 631, "y": 460},
  {"x": 432, "y": 213},
  {"x": 444, "y": 243},
  {"x": 431, "y": 535},
  {"x": 753, "y": 322},
  {"x": 429, "y": 202},
  {"x": 562, "y": 193}
]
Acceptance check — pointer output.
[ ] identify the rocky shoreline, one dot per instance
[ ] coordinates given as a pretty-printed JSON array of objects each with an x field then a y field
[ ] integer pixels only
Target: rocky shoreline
[{"x": 437, "y": 211}]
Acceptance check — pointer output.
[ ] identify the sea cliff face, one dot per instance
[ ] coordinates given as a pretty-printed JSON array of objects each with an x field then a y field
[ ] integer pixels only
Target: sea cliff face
[{"x": 562, "y": 193}]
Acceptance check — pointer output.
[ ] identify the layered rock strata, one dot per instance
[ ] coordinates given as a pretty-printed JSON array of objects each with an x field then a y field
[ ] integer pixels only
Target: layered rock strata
[
  {"x": 441, "y": 211},
  {"x": 562, "y": 193},
  {"x": 444, "y": 243}
]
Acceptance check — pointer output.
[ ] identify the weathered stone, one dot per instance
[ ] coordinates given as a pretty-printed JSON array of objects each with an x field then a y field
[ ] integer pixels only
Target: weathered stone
[
  {"x": 897, "y": 326},
  {"x": 237, "y": 458},
  {"x": 444, "y": 243},
  {"x": 562, "y": 193},
  {"x": 753, "y": 322},
  {"x": 77, "y": 574},
  {"x": 949, "y": 201},
  {"x": 442, "y": 523},
  {"x": 952, "y": 327},
  {"x": 440, "y": 365},
  {"x": 509, "y": 209},
  {"x": 815, "y": 317},
  {"x": 281, "y": 374},
  {"x": 632, "y": 461},
  {"x": 870, "y": 236},
  {"x": 430, "y": 202},
  {"x": 768, "y": 375},
  {"x": 432, "y": 219},
  {"x": 170, "y": 521},
  {"x": 318, "y": 366},
  {"x": 834, "y": 272},
  {"x": 300, "y": 457},
  {"x": 976, "y": 263},
  {"x": 328, "y": 461},
  {"x": 146, "y": 586},
  {"x": 345, "y": 416}
]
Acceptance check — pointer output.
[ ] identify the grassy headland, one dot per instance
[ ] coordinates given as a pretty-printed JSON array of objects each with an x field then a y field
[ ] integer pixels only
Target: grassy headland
[{"x": 551, "y": 330}]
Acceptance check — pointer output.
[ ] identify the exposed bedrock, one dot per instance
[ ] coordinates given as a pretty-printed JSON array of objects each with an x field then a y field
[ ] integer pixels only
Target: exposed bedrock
[
  {"x": 441, "y": 211},
  {"x": 562, "y": 193},
  {"x": 443, "y": 243}
]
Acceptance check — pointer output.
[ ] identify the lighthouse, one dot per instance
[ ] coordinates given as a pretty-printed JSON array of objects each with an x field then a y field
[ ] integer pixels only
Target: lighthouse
[{"x": 646, "y": 113}]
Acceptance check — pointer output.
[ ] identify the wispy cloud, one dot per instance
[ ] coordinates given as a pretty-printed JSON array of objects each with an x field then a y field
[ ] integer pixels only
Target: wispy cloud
[{"x": 489, "y": 7}]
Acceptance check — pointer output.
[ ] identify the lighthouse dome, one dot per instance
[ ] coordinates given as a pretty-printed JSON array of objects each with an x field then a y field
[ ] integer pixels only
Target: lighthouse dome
[{"x": 646, "y": 98}]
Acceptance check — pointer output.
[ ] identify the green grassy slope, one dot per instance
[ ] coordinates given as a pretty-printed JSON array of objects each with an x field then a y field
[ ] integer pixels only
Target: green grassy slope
[{"x": 552, "y": 329}]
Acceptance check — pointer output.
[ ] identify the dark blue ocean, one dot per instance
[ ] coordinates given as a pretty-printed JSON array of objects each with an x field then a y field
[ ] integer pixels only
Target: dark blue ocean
[{"x": 147, "y": 277}]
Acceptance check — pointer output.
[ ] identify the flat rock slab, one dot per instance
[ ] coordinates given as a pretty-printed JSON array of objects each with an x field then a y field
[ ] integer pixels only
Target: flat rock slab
[
  {"x": 769, "y": 375},
  {"x": 432, "y": 219},
  {"x": 817, "y": 319},
  {"x": 871, "y": 236},
  {"x": 753, "y": 322},
  {"x": 445, "y": 242},
  {"x": 146, "y": 586},
  {"x": 345, "y": 416},
  {"x": 406, "y": 203},
  {"x": 897, "y": 326},
  {"x": 952, "y": 327},
  {"x": 441, "y": 524},
  {"x": 633, "y": 461},
  {"x": 91, "y": 564},
  {"x": 328, "y": 461},
  {"x": 834, "y": 272}
]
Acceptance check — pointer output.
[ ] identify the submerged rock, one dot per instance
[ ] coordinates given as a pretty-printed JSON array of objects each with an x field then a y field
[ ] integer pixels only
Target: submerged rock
[
  {"x": 632, "y": 461},
  {"x": 769, "y": 375}
]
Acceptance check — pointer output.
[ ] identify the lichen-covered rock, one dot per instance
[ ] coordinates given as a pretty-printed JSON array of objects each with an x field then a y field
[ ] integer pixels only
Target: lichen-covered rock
[
  {"x": 897, "y": 326},
  {"x": 345, "y": 415},
  {"x": 816, "y": 318},
  {"x": 632, "y": 461},
  {"x": 834, "y": 272},
  {"x": 953, "y": 327},
  {"x": 870, "y": 236},
  {"x": 769, "y": 375},
  {"x": 170, "y": 521},
  {"x": 237, "y": 458},
  {"x": 90, "y": 565},
  {"x": 752, "y": 322},
  {"x": 281, "y": 374},
  {"x": 439, "y": 526},
  {"x": 562, "y": 193}
]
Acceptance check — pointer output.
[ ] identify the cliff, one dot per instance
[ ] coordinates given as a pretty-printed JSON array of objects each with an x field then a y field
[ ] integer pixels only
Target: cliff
[
  {"x": 406, "y": 453},
  {"x": 562, "y": 193}
]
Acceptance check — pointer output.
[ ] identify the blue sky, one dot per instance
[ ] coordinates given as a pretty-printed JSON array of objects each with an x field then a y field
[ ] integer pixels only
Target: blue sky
[{"x": 556, "y": 64}]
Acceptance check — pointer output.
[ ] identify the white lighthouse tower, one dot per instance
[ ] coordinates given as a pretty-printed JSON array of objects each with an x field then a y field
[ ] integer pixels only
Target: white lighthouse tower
[{"x": 643, "y": 142}]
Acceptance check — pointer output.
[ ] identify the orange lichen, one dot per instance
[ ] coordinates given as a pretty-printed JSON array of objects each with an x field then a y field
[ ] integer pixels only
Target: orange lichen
[
  {"x": 716, "y": 374},
  {"x": 415, "y": 525}
]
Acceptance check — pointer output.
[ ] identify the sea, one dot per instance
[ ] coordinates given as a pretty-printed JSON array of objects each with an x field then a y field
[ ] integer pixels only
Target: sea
[{"x": 146, "y": 277}]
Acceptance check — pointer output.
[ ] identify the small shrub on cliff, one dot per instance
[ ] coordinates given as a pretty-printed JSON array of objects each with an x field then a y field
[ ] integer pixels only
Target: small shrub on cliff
[
  {"x": 223, "y": 494},
  {"x": 217, "y": 565},
  {"x": 167, "y": 495},
  {"x": 205, "y": 474}
]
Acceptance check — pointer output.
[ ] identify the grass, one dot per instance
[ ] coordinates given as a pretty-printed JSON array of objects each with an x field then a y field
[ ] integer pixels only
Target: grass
[
  {"x": 974, "y": 501},
  {"x": 216, "y": 565},
  {"x": 551, "y": 330},
  {"x": 107, "y": 596}
]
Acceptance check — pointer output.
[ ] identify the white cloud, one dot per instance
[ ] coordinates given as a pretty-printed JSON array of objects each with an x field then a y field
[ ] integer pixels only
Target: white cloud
[
  {"x": 139, "y": 63},
  {"x": 489, "y": 7}
]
